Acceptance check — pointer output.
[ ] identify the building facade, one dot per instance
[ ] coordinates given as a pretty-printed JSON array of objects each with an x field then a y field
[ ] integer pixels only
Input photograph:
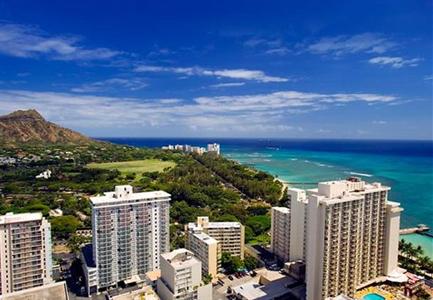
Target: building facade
[
  {"x": 25, "y": 252},
  {"x": 181, "y": 277},
  {"x": 130, "y": 231},
  {"x": 352, "y": 237},
  {"x": 280, "y": 233},
  {"x": 207, "y": 250},
  {"x": 230, "y": 235},
  {"x": 298, "y": 223}
]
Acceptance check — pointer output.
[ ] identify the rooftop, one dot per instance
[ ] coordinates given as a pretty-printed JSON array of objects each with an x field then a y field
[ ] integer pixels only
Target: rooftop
[
  {"x": 180, "y": 258},
  {"x": 223, "y": 224},
  {"x": 88, "y": 256},
  {"x": 205, "y": 238},
  {"x": 281, "y": 209},
  {"x": 272, "y": 290},
  {"x": 125, "y": 193},
  {"x": 10, "y": 217},
  {"x": 52, "y": 291},
  {"x": 352, "y": 188}
]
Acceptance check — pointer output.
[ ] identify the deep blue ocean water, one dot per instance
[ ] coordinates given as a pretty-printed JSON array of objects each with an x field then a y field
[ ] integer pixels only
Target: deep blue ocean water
[{"x": 406, "y": 166}]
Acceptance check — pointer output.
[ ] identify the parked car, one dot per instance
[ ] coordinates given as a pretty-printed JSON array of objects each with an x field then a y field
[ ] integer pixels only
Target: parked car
[{"x": 230, "y": 277}]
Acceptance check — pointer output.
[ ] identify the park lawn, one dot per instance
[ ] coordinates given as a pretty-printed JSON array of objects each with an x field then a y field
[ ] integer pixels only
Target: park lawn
[{"x": 134, "y": 166}]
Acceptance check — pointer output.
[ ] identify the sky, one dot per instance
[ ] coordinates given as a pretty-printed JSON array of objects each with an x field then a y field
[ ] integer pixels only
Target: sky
[{"x": 273, "y": 69}]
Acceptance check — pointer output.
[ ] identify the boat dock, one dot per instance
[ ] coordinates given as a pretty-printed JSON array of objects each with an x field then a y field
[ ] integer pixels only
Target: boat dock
[{"x": 419, "y": 229}]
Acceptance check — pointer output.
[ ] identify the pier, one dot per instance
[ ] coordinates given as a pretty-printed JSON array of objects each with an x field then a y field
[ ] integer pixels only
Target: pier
[{"x": 419, "y": 229}]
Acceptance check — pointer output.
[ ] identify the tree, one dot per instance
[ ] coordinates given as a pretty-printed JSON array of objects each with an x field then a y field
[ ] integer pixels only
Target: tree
[
  {"x": 75, "y": 242},
  {"x": 231, "y": 263},
  {"x": 259, "y": 224},
  {"x": 250, "y": 262},
  {"x": 207, "y": 278},
  {"x": 64, "y": 226}
]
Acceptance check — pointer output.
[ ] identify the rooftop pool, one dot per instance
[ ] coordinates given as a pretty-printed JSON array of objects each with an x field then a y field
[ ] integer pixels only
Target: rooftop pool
[{"x": 373, "y": 296}]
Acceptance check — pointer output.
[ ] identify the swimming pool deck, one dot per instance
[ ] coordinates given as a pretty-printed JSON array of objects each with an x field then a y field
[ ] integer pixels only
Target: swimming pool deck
[{"x": 374, "y": 290}]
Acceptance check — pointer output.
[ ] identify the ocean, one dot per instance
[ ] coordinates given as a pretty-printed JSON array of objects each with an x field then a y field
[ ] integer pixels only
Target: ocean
[{"x": 405, "y": 166}]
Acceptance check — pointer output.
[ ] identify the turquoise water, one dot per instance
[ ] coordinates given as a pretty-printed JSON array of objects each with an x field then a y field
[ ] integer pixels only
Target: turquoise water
[
  {"x": 410, "y": 178},
  {"x": 373, "y": 297},
  {"x": 424, "y": 241}
]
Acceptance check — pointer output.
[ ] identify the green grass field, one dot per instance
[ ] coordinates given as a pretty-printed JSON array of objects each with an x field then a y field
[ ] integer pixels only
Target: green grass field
[{"x": 135, "y": 166}]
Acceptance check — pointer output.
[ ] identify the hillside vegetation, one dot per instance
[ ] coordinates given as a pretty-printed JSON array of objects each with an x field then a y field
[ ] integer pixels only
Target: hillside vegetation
[{"x": 199, "y": 185}]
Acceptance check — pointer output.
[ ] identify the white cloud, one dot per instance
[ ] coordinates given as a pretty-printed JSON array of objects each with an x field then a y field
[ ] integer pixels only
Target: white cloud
[
  {"x": 394, "y": 62},
  {"x": 379, "y": 122},
  {"x": 344, "y": 44},
  {"x": 26, "y": 41},
  {"x": 132, "y": 84},
  {"x": 234, "y": 115},
  {"x": 228, "y": 84},
  {"x": 278, "y": 51},
  {"x": 268, "y": 46},
  {"x": 245, "y": 74},
  {"x": 428, "y": 77}
]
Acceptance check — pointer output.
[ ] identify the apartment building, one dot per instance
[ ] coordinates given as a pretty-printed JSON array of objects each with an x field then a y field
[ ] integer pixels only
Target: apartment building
[
  {"x": 352, "y": 237},
  {"x": 215, "y": 148},
  {"x": 181, "y": 277},
  {"x": 25, "y": 252},
  {"x": 280, "y": 233},
  {"x": 230, "y": 235},
  {"x": 207, "y": 250},
  {"x": 130, "y": 231}
]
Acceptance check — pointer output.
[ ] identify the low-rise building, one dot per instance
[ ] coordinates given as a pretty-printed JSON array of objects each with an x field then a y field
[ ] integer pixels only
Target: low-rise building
[
  {"x": 230, "y": 235},
  {"x": 181, "y": 277}
]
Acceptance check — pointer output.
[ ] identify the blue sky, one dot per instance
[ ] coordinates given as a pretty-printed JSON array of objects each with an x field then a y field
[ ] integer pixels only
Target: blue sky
[{"x": 315, "y": 69}]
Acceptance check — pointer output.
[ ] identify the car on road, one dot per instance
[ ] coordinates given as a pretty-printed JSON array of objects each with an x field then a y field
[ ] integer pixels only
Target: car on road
[{"x": 230, "y": 277}]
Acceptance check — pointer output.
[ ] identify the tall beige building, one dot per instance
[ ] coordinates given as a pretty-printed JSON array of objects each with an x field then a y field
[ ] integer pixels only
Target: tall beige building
[
  {"x": 25, "y": 252},
  {"x": 207, "y": 250},
  {"x": 352, "y": 237},
  {"x": 280, "y": 233},
  {"x": 230, "y": 235}
]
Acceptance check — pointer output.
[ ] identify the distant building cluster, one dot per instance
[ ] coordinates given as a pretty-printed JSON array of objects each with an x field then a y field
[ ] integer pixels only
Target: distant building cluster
[{"x": 211, "y": 148}]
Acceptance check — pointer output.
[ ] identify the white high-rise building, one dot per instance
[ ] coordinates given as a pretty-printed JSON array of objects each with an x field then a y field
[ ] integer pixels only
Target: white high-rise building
[
  {"x": 352, "y": 237},
  {"x": 181, "y": 277},
  {"x": 288, "y": 227},
  {"x": 214, "y": 148},
  {"x": 130, "y": 231},
  {"x": 298, "y": 223},
  {"x": 280, "y": 232},
  {"x": 25, "y": 252}
]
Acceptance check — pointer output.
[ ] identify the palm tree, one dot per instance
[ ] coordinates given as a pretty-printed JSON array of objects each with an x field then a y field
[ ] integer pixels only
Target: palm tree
[
  {"x": 419, "y": 252},
  {"x": 424, "y": 262}
]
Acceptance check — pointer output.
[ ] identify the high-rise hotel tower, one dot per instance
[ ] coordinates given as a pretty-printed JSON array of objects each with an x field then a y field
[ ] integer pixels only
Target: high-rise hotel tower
[{"x": 352, "y": 237}]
